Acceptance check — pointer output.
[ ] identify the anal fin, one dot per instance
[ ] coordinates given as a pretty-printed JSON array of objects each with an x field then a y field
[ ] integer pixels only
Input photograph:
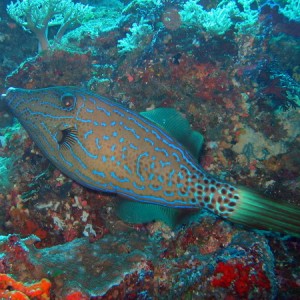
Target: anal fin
[{"x": 138, "y": 213}]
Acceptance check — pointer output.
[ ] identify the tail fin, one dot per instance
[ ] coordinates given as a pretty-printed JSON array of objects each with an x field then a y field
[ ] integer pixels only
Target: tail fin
[{"x": 255, "y": 211}]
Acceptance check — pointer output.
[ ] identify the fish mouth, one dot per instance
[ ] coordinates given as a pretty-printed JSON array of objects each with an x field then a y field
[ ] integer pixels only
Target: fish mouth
[
  {"x": 4, "y": 108},
  {"x": 4, "y": 98},
  {"x": 9, "y": 90},
  {"x": 2, "y": 101},
  {"x": 11, "y": 96}
]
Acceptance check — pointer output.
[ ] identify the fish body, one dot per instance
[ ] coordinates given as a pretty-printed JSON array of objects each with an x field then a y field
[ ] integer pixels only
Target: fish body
[{"x": 107, "y": 147}]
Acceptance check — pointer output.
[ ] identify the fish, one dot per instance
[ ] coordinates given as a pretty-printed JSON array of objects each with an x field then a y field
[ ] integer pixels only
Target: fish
[{"x": 147, "y": 158}]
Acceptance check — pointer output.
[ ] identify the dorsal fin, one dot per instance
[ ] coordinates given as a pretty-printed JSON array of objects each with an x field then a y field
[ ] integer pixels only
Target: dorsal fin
[{"x": 178, "y": 127}]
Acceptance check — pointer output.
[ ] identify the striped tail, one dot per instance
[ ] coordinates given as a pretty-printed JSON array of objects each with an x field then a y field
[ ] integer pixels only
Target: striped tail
[{"x": 255, "y": 211}]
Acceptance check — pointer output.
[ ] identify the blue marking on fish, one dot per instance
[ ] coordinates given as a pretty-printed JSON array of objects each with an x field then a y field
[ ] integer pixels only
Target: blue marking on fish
[{"x": 80, "y": 132}]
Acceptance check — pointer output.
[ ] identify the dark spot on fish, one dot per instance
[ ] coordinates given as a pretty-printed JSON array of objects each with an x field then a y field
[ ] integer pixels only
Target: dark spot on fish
[
  {"x": 183, "y": 190},
  {"x": 223, "y": 191},
  {"x": 193, "y": 190},
  {"x": 222, "y": 208},
  {"x": 210, "y": 206}
]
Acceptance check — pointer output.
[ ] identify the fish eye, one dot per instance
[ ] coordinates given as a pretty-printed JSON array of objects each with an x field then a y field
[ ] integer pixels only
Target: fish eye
[{"x": 68, "y": 100}]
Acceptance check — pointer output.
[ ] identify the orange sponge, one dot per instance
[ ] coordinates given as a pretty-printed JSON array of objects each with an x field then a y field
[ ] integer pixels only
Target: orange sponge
[{"x": 15, "y": 290}]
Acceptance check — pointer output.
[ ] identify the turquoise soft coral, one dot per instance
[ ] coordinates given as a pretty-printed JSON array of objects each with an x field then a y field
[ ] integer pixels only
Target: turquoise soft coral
[{"x": 38, "y": 15}]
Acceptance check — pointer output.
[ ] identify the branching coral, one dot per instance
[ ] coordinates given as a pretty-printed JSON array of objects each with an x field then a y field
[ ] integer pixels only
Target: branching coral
[
  {"x": 291, "y": 10},
  {"x": 219, "y": 20},
  {"x": 134, "y": 39},
  {"x": 216, "y": 21},
  {"x": 38, "y": 15},
  {"x": 142, "y": 4}
]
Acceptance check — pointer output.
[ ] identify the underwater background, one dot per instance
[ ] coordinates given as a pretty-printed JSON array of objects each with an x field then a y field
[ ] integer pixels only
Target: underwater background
[{"x": 232, "y": 68}]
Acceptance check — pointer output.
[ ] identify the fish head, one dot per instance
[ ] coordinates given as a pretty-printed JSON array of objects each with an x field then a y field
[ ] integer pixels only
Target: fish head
[{"x": 48, "y": 115}]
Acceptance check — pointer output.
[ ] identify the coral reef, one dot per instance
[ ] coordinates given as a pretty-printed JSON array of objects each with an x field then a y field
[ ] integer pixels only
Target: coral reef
[
  {"x": 132, "y": 262},
  {"x": 37, "y": 16},
  {"x": 232, "y": 68},
  {"x": 134, "y": 39},
  {"x": 220, "y": 19}
]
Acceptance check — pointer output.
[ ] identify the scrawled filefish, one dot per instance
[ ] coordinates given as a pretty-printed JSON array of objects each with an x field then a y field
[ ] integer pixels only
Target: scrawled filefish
[{"x": 107, "y": 147}]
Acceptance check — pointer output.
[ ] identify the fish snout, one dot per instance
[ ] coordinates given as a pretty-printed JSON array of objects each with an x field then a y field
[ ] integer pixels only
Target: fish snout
[
  {"x": 6, "y": 116},
  {"x": 13, "y": 96},
  {"x": 8, "y": 91},
  {"x": 4, "y": 98}
]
